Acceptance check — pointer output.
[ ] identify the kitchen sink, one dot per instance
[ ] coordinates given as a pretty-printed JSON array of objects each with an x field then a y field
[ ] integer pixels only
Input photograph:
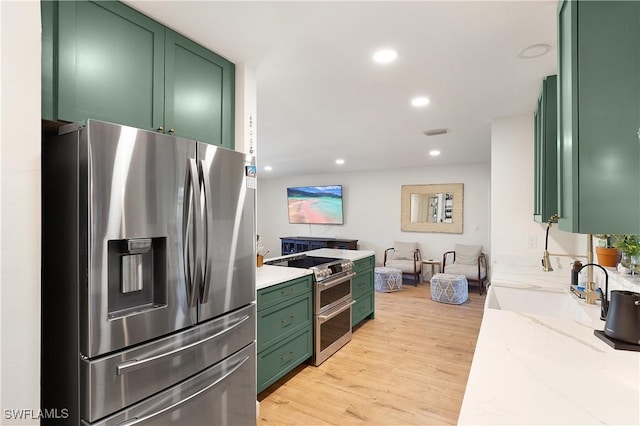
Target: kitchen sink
[{"x": 537, "y": 302}]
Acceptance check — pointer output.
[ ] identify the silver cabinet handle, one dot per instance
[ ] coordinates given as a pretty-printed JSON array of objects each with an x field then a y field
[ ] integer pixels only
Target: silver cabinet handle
[
  {"x": 172, "y": 407},
  {"x": 136, "y": 364}
]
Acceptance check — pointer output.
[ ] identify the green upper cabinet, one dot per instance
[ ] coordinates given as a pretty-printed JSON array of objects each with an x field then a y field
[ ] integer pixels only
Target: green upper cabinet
[
  {"x": 106, "y": 61},
  {"x": 599, "y": 116},
  {"x": 546, "y": 146},
  {"x": 199, "y": 88}
]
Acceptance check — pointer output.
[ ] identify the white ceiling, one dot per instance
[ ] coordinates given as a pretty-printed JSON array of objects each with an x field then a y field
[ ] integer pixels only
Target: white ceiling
[{"x": 321, "y": 96}]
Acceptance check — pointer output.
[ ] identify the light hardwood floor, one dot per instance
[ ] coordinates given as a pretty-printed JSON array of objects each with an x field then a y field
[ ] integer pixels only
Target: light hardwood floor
[{"x": 408, "y": 366}]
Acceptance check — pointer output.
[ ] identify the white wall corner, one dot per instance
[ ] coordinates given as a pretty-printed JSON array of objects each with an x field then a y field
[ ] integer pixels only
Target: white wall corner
[{"x": 246, "y": 110}]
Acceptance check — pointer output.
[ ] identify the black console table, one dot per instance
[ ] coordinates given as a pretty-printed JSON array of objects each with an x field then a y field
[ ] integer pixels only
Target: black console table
[{"x": 292, "y": 245}]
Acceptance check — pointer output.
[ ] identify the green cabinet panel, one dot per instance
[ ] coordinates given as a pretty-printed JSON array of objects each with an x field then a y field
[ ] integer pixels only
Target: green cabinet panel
[
  {"x": 49, "y": 19},
  {"x": 279, "y": 359},
  {"x": 599, "y": 116},
  {"x": 199, "y": 90},
  {"x": 364, "y": 264},
  {"x": 362, "y": 283},
  {"x": 106, "y": 61},
  {"x": 287, "y": 290},
  {"x": 363, "y": 307},
  {"x": 110, "y": 64},
  {"x": 362, "y": 290},
  {"x": 546, "y": 152},
  {"x": 285, "y": 328},
  {"x": 284, "y": 319}
]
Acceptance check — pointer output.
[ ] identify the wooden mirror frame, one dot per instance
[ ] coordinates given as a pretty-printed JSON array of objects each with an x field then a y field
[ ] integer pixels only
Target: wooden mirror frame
[{"x": 457, "y": 189}]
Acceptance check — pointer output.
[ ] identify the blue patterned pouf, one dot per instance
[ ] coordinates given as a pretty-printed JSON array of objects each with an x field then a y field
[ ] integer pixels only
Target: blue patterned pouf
[
  {"x": 447, "y": 288},
  {"x": 388, "y": 279}
]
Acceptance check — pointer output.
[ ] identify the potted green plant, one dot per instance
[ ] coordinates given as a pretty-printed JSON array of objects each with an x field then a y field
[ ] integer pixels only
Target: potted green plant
[
  {"x": 608, "y": 254},
  {"x": 629, "y": 246}
]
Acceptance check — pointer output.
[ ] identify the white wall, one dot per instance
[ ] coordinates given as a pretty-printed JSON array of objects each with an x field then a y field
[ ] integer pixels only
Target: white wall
[
  {"x": 20, "y": 208},
  {"x": 245, "y": 109},
  {"x": 372, "y": 208},
  {"x": 512, "y": 224}
]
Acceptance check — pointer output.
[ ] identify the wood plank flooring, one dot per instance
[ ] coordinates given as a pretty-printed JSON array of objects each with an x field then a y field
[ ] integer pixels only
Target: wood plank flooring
[{"x": 408, "y": 366}]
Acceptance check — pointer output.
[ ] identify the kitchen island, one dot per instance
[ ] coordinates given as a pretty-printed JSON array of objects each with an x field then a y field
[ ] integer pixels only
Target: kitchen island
[
  {"x": 286, "y": 298},
  {"x": 533, "y": 368}
]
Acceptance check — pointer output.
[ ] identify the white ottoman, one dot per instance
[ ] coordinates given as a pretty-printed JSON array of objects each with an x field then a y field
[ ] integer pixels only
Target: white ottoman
[
  {"x": 447, "y": 288},
  {"x": 388, "y": 279}
]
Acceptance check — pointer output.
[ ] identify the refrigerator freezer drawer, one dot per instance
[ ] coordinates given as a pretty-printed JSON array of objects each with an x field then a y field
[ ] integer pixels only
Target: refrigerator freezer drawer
[
  {"x": 119, "y": 380},
  {"x": 224, "y": 394}
]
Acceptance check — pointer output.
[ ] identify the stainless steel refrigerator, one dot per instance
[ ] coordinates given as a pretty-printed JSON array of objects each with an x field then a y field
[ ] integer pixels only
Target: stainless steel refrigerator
[{"x": 148, "y": 281}]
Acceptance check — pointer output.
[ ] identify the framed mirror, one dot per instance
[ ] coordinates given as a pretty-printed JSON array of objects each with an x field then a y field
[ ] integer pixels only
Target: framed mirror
[{"x": 432, "y": 208}]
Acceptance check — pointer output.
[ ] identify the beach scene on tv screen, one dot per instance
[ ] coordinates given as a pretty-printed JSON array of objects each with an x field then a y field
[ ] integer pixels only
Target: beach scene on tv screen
[{"x": 315, "y": 204}]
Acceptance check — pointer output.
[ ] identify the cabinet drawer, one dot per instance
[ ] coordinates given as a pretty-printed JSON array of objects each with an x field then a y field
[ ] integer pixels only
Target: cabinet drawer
[
  {"x": 364, "y": 264},
  {"x": 278, "y": 360},
  {"x": 279, "y": 293},
  {"x": 363, "y": 307},
  {"x": 283, "y": 320},
  {"x": 362, "y": 283}
]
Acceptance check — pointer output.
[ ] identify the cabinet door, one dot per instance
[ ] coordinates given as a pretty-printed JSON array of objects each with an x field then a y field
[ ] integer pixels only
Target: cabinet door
[
  {"x": 599, "y": 116},
  {"x": 110, "y": 64},
  {"x": 199, "y": 90},
  {"x": 546, "y": 152}
]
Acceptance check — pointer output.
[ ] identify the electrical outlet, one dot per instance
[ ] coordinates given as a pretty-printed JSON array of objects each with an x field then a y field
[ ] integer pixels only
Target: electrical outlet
[{"x": 533, "y": 242}]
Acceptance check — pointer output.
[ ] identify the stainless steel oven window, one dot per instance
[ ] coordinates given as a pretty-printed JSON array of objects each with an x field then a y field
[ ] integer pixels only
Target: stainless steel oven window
[
  {"x": 334, "y": 329},
  {"x": 332, "y": 293}
]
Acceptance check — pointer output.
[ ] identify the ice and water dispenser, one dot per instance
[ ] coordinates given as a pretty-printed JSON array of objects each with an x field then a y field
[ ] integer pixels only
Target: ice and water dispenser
[{"x": 137, "y": 275}]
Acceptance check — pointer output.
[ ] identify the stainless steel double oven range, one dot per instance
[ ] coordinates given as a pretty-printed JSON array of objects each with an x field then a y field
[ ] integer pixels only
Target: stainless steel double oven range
[{"x": 332, "y": 301}]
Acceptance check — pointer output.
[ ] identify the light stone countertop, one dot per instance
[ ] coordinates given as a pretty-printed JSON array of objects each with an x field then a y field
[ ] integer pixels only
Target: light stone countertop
[
  {"x": 342, "y": 254},
  {"x": 268, "y": 275},
  {"x": 536, "y": 369}
]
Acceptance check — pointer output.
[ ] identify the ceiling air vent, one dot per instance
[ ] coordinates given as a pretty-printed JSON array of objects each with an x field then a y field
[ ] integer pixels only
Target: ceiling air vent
[{"x": 436, "y": 132}]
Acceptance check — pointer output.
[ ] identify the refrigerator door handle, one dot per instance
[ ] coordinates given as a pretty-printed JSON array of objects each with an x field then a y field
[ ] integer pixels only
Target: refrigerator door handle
[
  {"x": 191, "y": 210},
  {"x": 136, "y": 420},
  {"x": 136, "y": 364},
  {"x": 204, "y": 174}
]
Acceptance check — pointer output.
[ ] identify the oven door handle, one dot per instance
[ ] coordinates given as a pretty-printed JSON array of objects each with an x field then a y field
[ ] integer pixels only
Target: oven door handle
[
  {"x": 335, "y": 282},
  {"x": 325, "y": 318}
]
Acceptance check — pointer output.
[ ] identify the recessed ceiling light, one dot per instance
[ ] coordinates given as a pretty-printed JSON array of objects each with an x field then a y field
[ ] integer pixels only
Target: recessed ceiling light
[
  {"x": 434, "y": 153},
  {"x": 385, "y": 56},
  {"x": 268, "y": 168},
  {"x": 534, "y": 51},
  {"x": 420, "y": 101},
  {"x": 339, "y": 161}
]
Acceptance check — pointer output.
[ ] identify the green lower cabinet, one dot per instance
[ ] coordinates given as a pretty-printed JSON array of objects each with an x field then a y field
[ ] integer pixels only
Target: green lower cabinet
[
  {"x": 285, "y": 328},
  {"x": 362, "y": 290},
  {"x": 279, "y": 321},
  {"x": 278, "y": 360},
  {"x": 363, "y": 308}
]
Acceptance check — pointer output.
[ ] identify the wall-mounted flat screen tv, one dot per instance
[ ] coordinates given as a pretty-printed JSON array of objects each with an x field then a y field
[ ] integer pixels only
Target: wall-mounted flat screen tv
[{"x": 315, "y": 204}]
